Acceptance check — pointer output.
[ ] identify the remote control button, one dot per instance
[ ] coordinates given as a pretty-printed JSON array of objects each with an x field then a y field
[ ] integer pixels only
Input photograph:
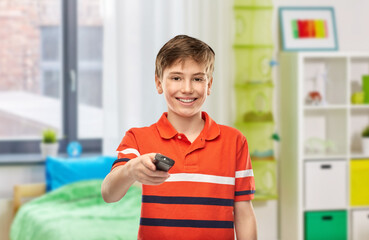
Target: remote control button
[{"x": 179, "y": 137}]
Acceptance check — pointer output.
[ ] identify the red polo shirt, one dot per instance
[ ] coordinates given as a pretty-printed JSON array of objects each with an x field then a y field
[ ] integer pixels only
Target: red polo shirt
[{"x": 209, "y": 175}]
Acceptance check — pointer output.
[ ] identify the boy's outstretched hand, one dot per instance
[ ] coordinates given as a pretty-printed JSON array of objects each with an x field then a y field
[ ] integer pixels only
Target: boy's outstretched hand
[{"x": 143, "y": 170}]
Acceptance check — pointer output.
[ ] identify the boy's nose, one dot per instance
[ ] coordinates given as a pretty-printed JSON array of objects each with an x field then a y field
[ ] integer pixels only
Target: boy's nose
[{"x": 187, "y": 86}]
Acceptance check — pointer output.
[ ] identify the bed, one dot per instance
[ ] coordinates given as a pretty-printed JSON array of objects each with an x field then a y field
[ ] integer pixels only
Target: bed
[{"x": 69, "y": 205}]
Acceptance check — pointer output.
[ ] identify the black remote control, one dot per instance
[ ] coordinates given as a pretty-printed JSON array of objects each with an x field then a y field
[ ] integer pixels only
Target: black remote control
[{"x": 163, "y": 163}]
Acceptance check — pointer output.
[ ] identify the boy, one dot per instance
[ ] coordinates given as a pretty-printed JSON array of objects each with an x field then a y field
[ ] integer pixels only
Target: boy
[{"x": 208, "y": 191}]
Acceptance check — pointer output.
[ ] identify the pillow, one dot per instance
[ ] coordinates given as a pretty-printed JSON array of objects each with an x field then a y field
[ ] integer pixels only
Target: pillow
[{"x": 61, "y": 171}]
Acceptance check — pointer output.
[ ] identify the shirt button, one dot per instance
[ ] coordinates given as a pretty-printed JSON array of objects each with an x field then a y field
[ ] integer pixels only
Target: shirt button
[{"x": 179, "y": 137}]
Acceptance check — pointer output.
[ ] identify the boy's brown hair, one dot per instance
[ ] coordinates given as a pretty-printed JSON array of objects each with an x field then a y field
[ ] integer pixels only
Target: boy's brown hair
[{"x": 182, "y": 47}]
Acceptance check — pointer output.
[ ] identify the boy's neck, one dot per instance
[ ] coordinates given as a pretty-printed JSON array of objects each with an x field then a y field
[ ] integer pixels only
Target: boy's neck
[{"x": 189, "y": 126}]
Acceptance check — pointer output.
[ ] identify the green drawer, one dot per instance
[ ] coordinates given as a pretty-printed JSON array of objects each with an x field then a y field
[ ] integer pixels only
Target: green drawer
[{"x": 326, "y": 225}]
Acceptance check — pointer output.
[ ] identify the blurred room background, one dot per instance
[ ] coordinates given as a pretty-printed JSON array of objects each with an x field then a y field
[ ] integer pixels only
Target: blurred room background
[{"x": 85, "y": 69}]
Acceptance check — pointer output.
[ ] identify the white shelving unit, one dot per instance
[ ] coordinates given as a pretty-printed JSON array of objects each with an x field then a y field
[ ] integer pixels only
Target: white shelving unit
[{"x": 318, "y": 142}]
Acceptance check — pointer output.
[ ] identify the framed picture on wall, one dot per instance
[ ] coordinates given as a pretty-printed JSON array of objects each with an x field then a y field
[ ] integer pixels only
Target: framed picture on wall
[{"x": 308, "y": 29}]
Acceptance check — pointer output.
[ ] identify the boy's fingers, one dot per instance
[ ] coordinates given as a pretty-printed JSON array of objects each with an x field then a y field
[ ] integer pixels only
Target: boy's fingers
[
  {"x": 147, "y": 178},
  {"x": 157, "y": 181},
  {"x": 151, "y": 156},
  {"x": 156, "y": 174},
  {"x": 150, "y": 171},
  {"x": 151, "y": 181},
  {"x": 148, "y": 163}
]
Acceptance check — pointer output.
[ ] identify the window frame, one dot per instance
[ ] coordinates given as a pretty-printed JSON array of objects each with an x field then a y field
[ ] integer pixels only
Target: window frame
[{"x": 69, "y": 75}]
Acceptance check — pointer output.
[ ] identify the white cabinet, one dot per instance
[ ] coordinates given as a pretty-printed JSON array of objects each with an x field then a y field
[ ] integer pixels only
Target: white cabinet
[
  {"x": 320, "y": 131},
  {"x": 325, "y": 185},
  {"x": 360, "y": 224}
]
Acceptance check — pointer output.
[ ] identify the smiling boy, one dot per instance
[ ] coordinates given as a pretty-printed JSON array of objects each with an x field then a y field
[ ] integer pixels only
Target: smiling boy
[{"x": 208, "y": 192}]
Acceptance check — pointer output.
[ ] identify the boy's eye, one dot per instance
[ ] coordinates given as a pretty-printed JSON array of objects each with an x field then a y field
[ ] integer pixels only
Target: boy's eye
[
  {"x": 198, "y": 79},
  {"x": 176, "y": 78}
]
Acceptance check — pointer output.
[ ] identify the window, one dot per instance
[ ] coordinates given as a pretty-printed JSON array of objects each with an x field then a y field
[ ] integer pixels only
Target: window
[
  {"x": 50, "y": 62},
  {"x": 89, "y": 80},
  {"x": 50, "y": 73}
]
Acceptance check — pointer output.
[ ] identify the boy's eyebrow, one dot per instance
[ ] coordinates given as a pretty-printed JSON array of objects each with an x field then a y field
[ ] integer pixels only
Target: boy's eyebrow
[
  {"x": 200, "y": 73},
  {"x": 181, "y": 73},
  {"x": 176, "y": 73}
]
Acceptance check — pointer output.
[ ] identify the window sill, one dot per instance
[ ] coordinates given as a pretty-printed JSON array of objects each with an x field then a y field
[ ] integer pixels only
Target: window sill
[{"x": 31, "y": 158}]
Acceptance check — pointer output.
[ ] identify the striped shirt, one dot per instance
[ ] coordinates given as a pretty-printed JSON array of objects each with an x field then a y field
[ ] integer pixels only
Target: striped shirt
[{"x": 209, "y": 175}]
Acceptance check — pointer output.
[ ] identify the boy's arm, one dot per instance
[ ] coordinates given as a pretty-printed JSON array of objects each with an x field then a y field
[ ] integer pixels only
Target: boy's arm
[
  {"x": 119, "y": 180},
  {"x": 245, "y": 221},
  {"x": 116, "y": 184}
]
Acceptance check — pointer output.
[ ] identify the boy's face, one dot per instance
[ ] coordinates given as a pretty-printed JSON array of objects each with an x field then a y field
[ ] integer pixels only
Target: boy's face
[{"x": 185, "y": 85}]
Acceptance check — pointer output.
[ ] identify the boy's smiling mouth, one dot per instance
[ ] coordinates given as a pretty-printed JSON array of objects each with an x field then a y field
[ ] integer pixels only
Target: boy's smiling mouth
[{"x": 186, "y": 100}]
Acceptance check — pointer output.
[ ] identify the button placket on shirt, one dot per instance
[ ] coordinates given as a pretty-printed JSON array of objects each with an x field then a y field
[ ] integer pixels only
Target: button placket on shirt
[
  {"x": 183, "y": 138},
  {"x": 191, "y": 156},
  {"x": 183, "y": 145}
]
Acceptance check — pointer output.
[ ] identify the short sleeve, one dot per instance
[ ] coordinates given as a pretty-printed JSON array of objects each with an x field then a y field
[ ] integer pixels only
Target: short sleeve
[
  {"x": 245, "y": 184},
  {"x": 126, "y": 150}
]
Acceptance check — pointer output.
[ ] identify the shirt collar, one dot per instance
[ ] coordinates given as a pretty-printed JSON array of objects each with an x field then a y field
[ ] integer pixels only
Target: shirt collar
[{"x": 210, "y": 131}]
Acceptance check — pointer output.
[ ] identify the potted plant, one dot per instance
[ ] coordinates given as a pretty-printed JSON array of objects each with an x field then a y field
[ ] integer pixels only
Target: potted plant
[
  {"x": 49, "y": 145},
  {"x": 365, "y": 141}
]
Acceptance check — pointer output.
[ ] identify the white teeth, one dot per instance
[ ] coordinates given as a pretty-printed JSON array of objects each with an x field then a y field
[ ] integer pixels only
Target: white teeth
[{"x": 186, "y": 100}]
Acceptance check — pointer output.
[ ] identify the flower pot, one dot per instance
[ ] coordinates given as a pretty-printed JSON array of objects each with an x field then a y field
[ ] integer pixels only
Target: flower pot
[
  {"x": 365, "y": 142},
  {"x": 49, "y": 149}
]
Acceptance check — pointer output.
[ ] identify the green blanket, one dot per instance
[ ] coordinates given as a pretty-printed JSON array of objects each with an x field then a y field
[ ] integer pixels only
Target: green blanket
[{"x": 77, "y": 211}]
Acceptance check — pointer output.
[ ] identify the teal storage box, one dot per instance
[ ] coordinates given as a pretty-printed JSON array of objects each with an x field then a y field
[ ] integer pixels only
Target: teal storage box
[
  {"x": 253, "y": 26},
  {"x": 253, "y": 64},
  {"x": 326, "y": 225}
]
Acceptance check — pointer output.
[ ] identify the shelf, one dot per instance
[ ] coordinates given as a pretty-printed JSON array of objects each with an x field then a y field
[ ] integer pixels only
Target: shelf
[
  {"x": 320, "y": 157},
  {"x": 326, "y": 107},
  {"x": 359, "y": 67},
  {"x": 359, "y": 119},
  {"x": 365, "y": 207},
  {"x": 325, "y": 78},
  {"x": 360, "y": 106},
  {"x": 324, "y": 209},
  {"x": 358, "y": 155},
  {"x": 321, "y": 131}
]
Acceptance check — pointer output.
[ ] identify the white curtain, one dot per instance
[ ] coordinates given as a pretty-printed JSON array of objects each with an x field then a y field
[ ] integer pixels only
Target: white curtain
[{"x": 134, "y": 31}]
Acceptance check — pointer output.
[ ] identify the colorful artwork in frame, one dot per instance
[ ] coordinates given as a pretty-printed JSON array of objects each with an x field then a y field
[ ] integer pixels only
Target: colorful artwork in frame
[{"x": 308, "y": 29}]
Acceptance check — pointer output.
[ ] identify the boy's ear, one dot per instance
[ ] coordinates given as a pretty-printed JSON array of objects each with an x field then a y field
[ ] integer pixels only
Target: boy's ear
[
  {"x": 210, "y": 83},
  {"x": 158, "y": 84}
]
